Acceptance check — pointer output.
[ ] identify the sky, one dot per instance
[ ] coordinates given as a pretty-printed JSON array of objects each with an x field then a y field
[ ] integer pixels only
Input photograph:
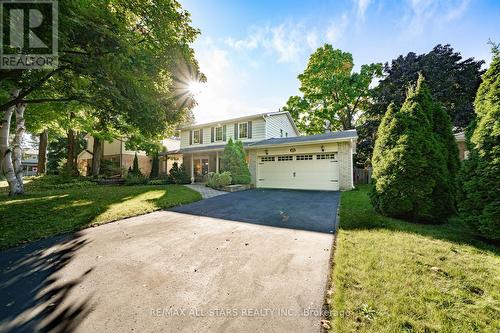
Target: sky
[{"x": 252, "y": 51}]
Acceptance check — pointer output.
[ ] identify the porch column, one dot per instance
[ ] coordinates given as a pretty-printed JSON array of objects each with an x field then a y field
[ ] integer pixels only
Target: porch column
[
  {"x": 217, "y": 161},
  {"x": 192, "y": 169}
]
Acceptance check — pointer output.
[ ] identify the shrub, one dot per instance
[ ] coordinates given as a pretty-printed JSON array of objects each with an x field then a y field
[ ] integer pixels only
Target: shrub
[
  {"x": 234, "y": 161},
  {"x": 219, "y": 180},
  {"x": 132, "y": 180},
  {"x": 411, "y": 177},
  {"x": 157, "y": 182},
  {"x": 155, "y": 167},
  {"x": 479, "y": 202},
  {"x": 135, "y": 167},
  {"x": 178, "y": 175},
  {"x": 109, "y": 168}
]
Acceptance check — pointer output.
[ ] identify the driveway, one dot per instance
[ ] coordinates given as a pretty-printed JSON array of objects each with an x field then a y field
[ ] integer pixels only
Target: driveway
[{"x": 200, "y": 270}]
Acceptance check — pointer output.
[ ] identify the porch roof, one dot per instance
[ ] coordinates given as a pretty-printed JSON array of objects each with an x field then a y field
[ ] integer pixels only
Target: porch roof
[{"x": 204, "y": 149}]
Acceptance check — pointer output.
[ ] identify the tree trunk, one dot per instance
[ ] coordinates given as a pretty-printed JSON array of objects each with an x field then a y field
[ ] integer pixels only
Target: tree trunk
[
  {"x": 42, "y": 152},
  {"x": 70, "y": 160},
  {"x": 6, "y": 165},
  {"x": 17, "y": 154},
  {"x": 96, "y": 156}
]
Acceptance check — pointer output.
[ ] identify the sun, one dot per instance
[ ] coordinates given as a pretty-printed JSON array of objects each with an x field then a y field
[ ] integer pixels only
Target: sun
[{"x": 195, "y": 87}]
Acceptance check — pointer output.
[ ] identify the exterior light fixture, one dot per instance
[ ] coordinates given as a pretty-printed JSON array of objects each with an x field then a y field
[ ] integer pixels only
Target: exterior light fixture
[
  {"x": 322, "y": 148},
  {"x": 267, "y": 153}
]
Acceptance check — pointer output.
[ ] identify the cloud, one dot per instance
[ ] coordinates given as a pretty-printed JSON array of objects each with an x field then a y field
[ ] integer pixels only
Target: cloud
[
  {"x": 423, "y": 13},
  {"x": 336, "y": 29},
  {"x": 361, "y": 7},
  {"x": 312, "y": 40}
]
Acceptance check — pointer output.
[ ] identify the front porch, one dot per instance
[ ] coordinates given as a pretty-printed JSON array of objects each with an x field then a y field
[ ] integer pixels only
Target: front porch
[{"x": 199, "y": 164}]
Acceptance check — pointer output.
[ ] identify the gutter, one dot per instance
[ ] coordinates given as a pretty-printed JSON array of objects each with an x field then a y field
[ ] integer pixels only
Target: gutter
[{"x": 302, "y": 143}]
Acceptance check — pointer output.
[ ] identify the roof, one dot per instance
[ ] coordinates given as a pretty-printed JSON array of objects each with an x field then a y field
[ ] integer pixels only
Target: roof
[
  {"x": 232, "y": 120},
  {"x": 203, "y": 148},
  {"x": 335, "y": 136},
  {"x": 460, "y": 136},
  {"x": 330, "y": 136}
]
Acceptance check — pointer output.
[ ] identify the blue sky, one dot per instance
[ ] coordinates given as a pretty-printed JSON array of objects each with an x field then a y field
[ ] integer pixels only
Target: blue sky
[{"x": 252, "y": 51}]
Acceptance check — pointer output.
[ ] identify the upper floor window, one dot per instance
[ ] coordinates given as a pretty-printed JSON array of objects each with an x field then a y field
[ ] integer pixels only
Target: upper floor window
[
  {"x": 196, "y": 136},
  {"x": 218, "y": 133},
  {"x": 243, "y": 130},
  {"x": 281, "y": 133}
]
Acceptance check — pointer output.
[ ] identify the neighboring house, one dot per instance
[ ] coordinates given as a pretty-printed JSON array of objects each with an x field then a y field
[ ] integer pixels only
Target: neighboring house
[
  {"x": 123, "y": 158},
  {"x": 30, "y": 162},
  {"x": 463, "y": 153},
  {"x": 278, "y": 157}
]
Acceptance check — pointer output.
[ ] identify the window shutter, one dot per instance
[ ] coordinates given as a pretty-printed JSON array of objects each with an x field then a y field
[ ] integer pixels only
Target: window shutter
[
  {"x": 236, "y": 131},
  {"x": 190, "y": 138},
  {"x": 201, "y": 135},
  {"x": 249, "y": 130},
  {"x": 224, "y": 133},
  {"x": 212, "y": 134}
]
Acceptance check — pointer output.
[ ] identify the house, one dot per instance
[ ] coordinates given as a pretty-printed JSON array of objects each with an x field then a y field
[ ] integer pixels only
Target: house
[
  {"x": 463, "y": 152},
  {"x": 123, "y": 158},
  {"x": 277, "y": 155},
  {"x": 29, "y": 161}
]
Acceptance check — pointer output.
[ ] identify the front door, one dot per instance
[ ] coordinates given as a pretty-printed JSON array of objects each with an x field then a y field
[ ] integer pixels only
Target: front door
[{"x": 200, "y": 169}]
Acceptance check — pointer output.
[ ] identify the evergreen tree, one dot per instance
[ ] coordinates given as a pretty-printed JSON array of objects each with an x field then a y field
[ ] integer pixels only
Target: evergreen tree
[
  {"x": 234, "y": 161},
  {"x": 410, "y": 174},
  {"x": 135, "y": 167},
  {"x": 480, "y": 176},
  {"x": 155, "y": 167}
]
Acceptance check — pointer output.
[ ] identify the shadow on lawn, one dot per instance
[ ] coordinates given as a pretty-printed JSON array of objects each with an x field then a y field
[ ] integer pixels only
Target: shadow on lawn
[
  {"x": 358, "y": 214},
  {"x": 33, "y": 295}
]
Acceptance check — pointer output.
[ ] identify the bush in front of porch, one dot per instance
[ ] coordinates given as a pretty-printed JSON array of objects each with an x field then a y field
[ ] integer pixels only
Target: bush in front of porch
[{"x": 234, "y": 161}]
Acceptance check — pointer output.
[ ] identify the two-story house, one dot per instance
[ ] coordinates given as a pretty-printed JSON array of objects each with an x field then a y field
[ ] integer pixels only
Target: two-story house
[{"x": 277, "y": 155}]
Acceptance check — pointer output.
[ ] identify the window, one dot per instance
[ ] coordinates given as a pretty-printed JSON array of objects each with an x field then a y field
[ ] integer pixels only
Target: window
[
  {"x": 281, "y": 133},
  {"x": 325, "y": 156},
  {"x": 267, "y": 159},
  {"x": 218, "y": 133},
  {"x": 304, "y": 157},
  {"x": 196, "y": 136},
  {"x": 243, "y": 130},
  {"x": 285, "y": 158},
  {"x": 286, "y": 135}
]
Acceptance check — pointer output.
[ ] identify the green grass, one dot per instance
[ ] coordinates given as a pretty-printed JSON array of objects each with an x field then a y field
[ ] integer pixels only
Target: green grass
[
  {"x": 49, "y": 209},
  {"x": 394, "y": 276}
]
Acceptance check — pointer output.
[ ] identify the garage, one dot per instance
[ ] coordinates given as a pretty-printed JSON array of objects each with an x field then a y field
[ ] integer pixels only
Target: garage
[{"x": 306, "y": 171}]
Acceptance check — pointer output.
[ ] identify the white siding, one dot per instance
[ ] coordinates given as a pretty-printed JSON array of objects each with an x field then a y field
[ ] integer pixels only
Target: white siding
[
  {"x": 276, "y": 123},
  {"x": 258, "y": 133}
]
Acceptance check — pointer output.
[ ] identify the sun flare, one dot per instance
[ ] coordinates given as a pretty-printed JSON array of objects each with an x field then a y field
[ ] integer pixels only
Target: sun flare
[{"x": 195, "y": 87}]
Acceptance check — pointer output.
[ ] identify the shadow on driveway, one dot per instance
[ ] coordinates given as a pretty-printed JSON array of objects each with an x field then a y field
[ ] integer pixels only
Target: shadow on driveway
[
  {"x": 32, "y": 294},
  {"x": 293, "y": 209}
]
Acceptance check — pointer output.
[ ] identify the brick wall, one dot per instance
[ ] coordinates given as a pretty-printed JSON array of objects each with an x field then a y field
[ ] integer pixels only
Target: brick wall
[
  {"x": 345, "y": 166},
  {"x": 144, "y": 163}
]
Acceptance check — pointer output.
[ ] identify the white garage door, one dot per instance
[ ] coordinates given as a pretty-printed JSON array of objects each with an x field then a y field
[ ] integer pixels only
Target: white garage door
[{"x": 318, "y": 171}]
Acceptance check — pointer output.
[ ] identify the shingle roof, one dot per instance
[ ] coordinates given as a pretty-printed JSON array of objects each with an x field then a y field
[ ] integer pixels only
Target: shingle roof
[
  {"x": 275, "y": 141},
  {"x": 307, "y": 138}
]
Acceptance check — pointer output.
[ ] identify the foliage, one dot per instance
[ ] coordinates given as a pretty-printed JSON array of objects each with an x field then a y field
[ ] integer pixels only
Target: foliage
[
  {"x": 115, "y": 57},
  {"x": 157, "y": 182},
  {"x": 452, "y": 80},
  {"x": 110, "y": 168},
  {"x": 413, "y": 277},
  {"x": 234, "y": 161},
  {"x": 480, "y": 197},
  {"x": 219, "y": 180},
  {"x": 135, "y": 167},
  {"x": 57, "y": 152},
  {"x": 133, "y": 180},
  {"x": 333, "y": 93},
  {"x": 155, "y": 167},
  {"x": 414, "y": 163},
  {"x": 78, "y": 207},
  {"x": 179, "y": 175}
]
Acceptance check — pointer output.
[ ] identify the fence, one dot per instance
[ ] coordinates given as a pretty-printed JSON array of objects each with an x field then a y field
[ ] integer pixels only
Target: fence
[{"x": 362, "y": 176}]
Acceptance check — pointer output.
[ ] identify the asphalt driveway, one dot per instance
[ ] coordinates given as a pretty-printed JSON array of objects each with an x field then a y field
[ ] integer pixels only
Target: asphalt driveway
[
  {"x": 179, "y": 271},
  {"x": 303, "y": 210}
]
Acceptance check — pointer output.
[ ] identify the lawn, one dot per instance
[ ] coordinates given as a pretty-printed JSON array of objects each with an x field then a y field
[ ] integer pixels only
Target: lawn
[
  {"x": 394, "y": 276},
  {"x": 53, "y": 209}
]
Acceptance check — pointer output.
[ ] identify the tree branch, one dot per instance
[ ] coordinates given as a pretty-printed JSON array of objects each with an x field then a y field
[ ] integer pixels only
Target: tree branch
[
  {"x": 26, "y": 92},
  {"x": 47, "y": 100}
]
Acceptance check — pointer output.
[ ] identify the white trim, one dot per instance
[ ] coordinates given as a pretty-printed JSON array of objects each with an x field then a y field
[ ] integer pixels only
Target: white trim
[
  {"x": 199, "y": 137},
  {"x": 221, "y": 133},
  {"x": 302, "y": 143},
  {"x": 239, "y": 131}
]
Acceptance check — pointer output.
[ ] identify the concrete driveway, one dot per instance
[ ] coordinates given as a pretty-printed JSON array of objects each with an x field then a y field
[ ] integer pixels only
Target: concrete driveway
[{"x": 196, "y": 271}]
